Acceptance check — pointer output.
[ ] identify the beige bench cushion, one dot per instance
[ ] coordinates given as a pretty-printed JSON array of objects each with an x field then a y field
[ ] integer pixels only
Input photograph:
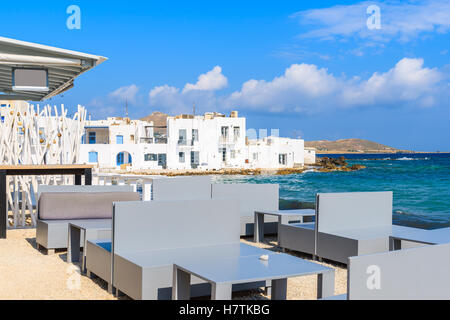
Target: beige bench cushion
[{"x": 81, "y": 205}]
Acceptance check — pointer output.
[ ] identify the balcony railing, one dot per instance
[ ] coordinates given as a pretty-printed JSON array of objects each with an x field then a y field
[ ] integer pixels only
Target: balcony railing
[
  {"x": 187, "y": 143},
  {"x": 146, "y": 140}
]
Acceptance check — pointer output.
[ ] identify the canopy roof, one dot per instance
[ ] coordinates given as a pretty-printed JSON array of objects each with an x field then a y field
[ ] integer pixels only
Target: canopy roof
[{"x": 63, "y": 66}]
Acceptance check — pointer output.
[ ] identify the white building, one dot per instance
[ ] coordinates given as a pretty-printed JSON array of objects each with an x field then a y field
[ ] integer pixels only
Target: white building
[
  {"x": 212, "y": 141},
  {"x": 116, "y": 142},
  {"x": 310, "y": 155},
  {"x": 209, "y": 142},
  {"x": 275, "y": 152}
]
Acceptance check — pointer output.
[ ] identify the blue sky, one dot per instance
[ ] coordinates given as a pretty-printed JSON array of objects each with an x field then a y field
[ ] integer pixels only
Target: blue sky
[{"x": 311, "y": 69}]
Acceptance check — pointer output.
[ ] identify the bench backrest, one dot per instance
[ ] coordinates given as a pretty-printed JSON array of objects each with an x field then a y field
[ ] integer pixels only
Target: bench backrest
[
  {"x": 410, "y": 274},
  {"x": 251, "y": 197},
  {"x": 154, "y": 225},
  {"x": 353, "y": 210},
  {"x": 182, "y": 188},
  {"x": 71, "y": 188},
  {"x": 81, "y": 202}
]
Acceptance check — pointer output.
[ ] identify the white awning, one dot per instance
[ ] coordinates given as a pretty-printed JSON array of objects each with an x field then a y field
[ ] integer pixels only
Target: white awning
[{"x": 63, "y": 66}]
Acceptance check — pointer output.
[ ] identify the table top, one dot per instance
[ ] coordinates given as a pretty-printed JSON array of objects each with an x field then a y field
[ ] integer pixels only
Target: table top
[
  {"x": 166, "y": 257},
  {"x": 437, "y": 236},
  {"x": 91, "y": 224},
  {"x": 306, "y": 225},
  {"x": 296, "y": 212},
  {"x": 251, "y": 268}
]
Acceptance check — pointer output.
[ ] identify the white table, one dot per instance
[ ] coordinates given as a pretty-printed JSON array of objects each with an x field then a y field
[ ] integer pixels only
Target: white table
[
  {"x": 223, "y": 273},
  {"x": 92, "y": 230},
  {"x": 432, "y": 237},
  {"x": 284, "y": 216}
]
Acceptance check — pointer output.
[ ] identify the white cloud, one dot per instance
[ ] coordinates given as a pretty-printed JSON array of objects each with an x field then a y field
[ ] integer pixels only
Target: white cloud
[
  {"x": 408, "y": 82},
  {"x": 299, "y": 83},
  {"x": 306, "y": 88},
  {"x": 210, "y": 81},
  {"x": 126, "y": 93},
  {"x": 399, "y": 20},
  {"x": 201, "y": 94}
]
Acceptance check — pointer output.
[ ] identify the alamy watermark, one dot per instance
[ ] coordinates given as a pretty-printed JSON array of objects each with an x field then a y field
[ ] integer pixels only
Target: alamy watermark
[
  {"x": 374, "y": 21},
  {"x": 74, "y": 20},
  {"x": 374, "y": 278},
  {"x": 74, "y": 277}
]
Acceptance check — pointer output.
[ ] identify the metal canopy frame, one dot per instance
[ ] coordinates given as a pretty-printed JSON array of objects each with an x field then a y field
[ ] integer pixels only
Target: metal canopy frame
[{"x": 63, "y": 66}]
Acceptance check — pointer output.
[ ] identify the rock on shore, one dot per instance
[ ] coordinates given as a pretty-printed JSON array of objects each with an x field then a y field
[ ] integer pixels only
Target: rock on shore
[{"x": 326, "y": 164}]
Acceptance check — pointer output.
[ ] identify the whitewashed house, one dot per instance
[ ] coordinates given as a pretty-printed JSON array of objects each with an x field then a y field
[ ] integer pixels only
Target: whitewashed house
[
  {"x": 115, "y": 142},
  {"x": 276, "y": 152},
  {"x": 211, "y": 141},
  {"x": 310, "y": 155}
]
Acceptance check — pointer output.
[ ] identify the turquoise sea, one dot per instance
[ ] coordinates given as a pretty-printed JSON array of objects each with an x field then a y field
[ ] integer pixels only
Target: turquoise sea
[{"x": 420, "y": 182}]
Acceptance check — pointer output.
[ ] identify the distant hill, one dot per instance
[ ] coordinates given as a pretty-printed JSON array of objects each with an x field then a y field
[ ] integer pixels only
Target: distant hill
[
  {"x": 350, "y": 146},
  {"x": 159, "y": 121}
]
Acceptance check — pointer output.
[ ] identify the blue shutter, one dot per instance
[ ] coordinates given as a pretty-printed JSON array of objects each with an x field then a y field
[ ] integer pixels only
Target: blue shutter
[{"x": 93, "y": 157}]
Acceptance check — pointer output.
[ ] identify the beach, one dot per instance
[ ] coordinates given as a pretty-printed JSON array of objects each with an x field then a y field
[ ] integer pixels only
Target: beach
[{"x": 28, "y": 274}]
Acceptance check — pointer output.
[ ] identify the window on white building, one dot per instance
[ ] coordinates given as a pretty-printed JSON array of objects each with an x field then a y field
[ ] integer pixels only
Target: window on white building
[
  {"x": 92, "y": 137},
  {"x": 194, "y": 134},
  {"x": 237, "y": 133},
  {"x": 181, "y": 157},
  {"x": 93, "y": 157},
  {"x": 233, "y": 154},
  {"x": 282, "y": 158},
  {"x": 224, "y": 132},
  {"x": 195, "y": 159},
  {"x": 223, "y": 153},
  {"x": 255, "y": 156},
  {"x": 151, "y": 157},
  {"x": 182, "y": 137}
]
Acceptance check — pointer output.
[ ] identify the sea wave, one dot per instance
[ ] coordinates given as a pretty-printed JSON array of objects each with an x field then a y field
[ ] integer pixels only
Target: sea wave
[
  {"x": 403, "y": 213},
  {"x": 391, "y": 159},
  {"x": 406, "y": 159}
]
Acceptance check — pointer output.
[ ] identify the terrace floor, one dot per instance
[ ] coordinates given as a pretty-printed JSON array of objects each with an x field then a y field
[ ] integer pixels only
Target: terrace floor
[{"x": 28, "y": 274}]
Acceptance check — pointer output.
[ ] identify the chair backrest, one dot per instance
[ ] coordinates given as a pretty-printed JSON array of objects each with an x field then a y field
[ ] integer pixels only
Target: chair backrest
[
  {"x": 353, "y": 210},
  {"x": 81, "y": 205},
  {"x": 410, "y": 274},
  {"x": 80, "y": 202},
  {"x": 155, "y": 225},
  {"x": 91, "y": 189},
  {"x": 182, "y": 188},
  {"x": 252, "y": 197}
]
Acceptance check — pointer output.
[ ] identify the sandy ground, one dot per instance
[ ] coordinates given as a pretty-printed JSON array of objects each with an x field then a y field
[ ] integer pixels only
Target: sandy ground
[{"x": 27, "y": 274}]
